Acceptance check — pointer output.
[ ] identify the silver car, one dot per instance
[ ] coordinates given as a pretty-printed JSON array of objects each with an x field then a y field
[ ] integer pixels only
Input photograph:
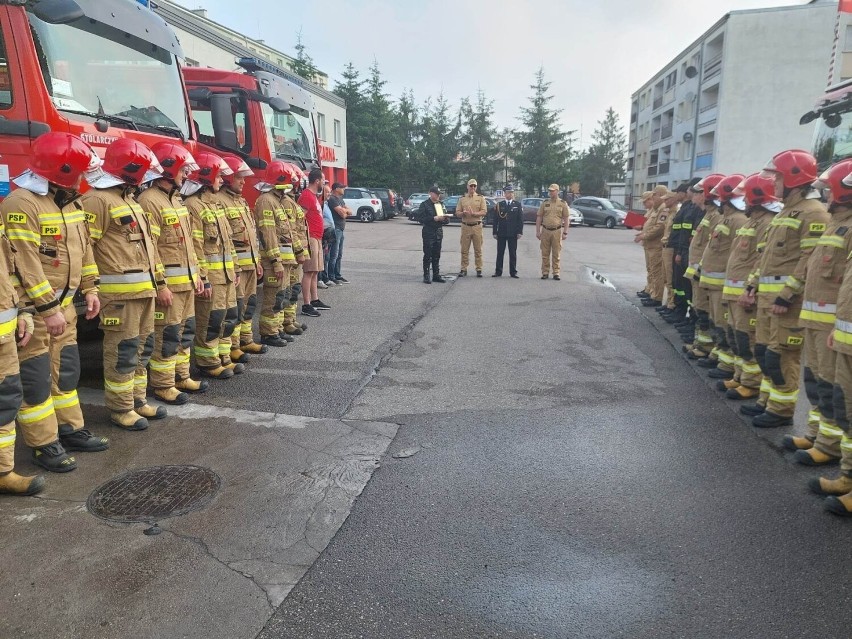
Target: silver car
[{"x": 599, "y": 210}]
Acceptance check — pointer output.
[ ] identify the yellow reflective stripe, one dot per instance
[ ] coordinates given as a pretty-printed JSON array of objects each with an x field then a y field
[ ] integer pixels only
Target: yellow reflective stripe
[
  {"x": 90, "y": 270},
  {"x": 813, "y": 416},
  {"x": 42, "y": 288},
  {"x": 794, "y": 283},
  {"x": 724, "y": 229},
  {"x": 66, "y": 400},
  {"x": 137, "y": 287},
  {"x": 815, "y": 316},
  {"x": 790, "y": 222},
  {"x": 846, "y": 444},
  {"x": 33, "y": 414},
  {"x": 140, "y": 380},
  {"x": 725, "y": 358},
  {"x": 96, "y": 233},
  {"x": 733, "y": 290},
  {"x": 266, "y": 223},
  {"x": 23, "y": 235},
  {"x": 162, "y": 366},
  {"x": 198, "y": 235},
  {"x": 783, "y": 398},
  {"x": 182, "y": 358},
  {"x": 155, "y": 230},
  {"x": 842, "y": 337},
  {"x": 178, "y": 279},
  {"x": 808, "y": 243},
  {"x": 8, "y": 321},
  {"x": 746, "y": 232},
  {"x": 119, "y": 211},
  {"x": 704, "y": 222},
  {"x": 224, "y": 347},
  {"x": 830, "y": 431},
  {"x": 761, "y": 245},
  {"x": 202, "y": 351},
  {"x": 7, "y": 440},
  {"x": 690, "y": 272},
  {"x": 207, "y": 216},
  {"x": 765, "y": 385},
  {"x": 118, "y": 387},
  {"x": 831, "y": 240},
  {"x": 752, "y": 368},
  {"x": 716, "y": 279},
  {"x": 75, "y": 218}
]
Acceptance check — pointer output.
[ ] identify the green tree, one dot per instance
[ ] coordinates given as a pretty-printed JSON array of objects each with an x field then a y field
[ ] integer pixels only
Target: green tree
[
  {"x": 409, "y": 132},
  {"x": 543, "y": 151},
  {"x": 303, "y": 65},
  {"x": 439, "y": 145},
  {"x": 604, "y": 160},
  {"x": 351, "y": 90},
  {"x": 383, "y": 151},
  {"x": 479, "y": 142}
]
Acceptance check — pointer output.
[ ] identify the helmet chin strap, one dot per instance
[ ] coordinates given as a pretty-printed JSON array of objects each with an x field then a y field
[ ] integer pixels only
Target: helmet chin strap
[{"x": 62, "y": 196}]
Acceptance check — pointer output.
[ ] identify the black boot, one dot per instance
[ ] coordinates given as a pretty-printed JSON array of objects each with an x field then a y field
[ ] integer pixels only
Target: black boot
[
  {"x": 436, "y": 273},
  {"x": 771, "y": 420},
  {"x": 81, "y": 440},
  {"x": 426, "y": 278}
]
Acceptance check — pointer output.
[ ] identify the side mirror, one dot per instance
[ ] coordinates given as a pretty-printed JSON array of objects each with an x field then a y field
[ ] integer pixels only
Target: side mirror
[
  {"x": 833, "y": 121},
  {"x": 808, "y": 117},
  {"x": 223, "y": 121},
  {"x": 256, "y": 163},
  {"x": 57, "y": 11},
  {"x": 199, "y": 94},
  {"x": 279, "y": 104}
]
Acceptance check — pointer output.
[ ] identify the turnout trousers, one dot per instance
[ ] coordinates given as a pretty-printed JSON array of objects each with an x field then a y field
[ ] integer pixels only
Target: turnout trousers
[
  {"x": 11, "y": 393},
  {"x": 128, "y": 327},
  {"x": 819, "y": 374},
  {"x": 215, "y": 320},
  {"x": 742, "y": 323},
  {"x": 779, "y": 350},
  {"x": 246, "y": 306},
  {"x": 174, "y": 330}
]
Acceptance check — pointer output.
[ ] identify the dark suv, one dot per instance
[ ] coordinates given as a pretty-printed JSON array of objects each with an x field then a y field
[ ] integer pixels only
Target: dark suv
[{"x": 389, "y": 201}]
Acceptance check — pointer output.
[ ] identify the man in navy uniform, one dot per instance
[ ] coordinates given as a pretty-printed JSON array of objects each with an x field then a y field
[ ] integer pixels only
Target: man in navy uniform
[{"x": 508, "y": 229}]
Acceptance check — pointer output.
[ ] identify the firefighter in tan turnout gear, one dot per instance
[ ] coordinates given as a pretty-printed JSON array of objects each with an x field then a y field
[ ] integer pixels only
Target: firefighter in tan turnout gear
[
  {"x": 216, "y": 308},
  {"x": 174, "y": 310},
  {"x": 126, "y": 258},
  {"x": 714, "y": 261},
  {"x": 53, "y": 260},
  {"x": 14, "y": 325},
  {"x": 778, "y": 282},
  {"x": 301, "y": 248},
  {"x": 244, "y": 236},
  {"x": 761, "y": 205},
  {"x": 278, "y": 245},
  {"x": 472, "y": 208},
  {"x": 825, "y": 273}
]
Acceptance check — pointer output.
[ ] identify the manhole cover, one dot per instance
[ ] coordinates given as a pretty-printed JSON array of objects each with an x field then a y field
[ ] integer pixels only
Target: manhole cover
[{"x": 155, "y": 493}]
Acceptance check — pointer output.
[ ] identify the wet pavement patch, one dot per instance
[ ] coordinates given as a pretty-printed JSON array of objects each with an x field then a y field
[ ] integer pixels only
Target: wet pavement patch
[{"x": 154, "y": 493}]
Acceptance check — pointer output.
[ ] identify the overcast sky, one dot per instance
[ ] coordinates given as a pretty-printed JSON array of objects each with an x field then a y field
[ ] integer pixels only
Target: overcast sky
[{"x": 596, "y": 53}]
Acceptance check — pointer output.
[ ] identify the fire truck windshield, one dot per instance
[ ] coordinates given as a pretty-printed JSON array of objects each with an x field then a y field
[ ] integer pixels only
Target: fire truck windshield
[
  {"x": 833, "y": 144},
  {"x": 91, "y": 69},
  {"x": 291, "y": 134}
]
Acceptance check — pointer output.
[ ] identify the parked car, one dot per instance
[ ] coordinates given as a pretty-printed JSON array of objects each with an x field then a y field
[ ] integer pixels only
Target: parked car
[
  {"x": 365, "y": 205},
  {"x": 413, "y": 203},
  {"x": 530, "y": 205},
  {"x": 388, "y": 199},
  {"x": 450, "y": 203},
  {"x": 492, "y": 211},
  {"x": 600, "y": 210}
]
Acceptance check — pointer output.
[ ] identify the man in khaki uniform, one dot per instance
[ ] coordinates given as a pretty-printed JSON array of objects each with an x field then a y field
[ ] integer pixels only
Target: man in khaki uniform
[
  {"x": 53, "y": 260},
  {"x": 672, "y": 203},
  {"x": 13, "y": 324},
  {"x": 216, "y": 308},
  {"x": 651, "y": 237},
  {"x": 174, "y": 310},
  {"x": 126, "y": 258},
  {"x": 825, "y": 274},
  {"x": 551, "y": 228},
  {"x": 244, "y": 235},
  {"x": 648, "y": 202},
  {"x": 472, "y": 207},
  {"x": 779, "y": 281}
]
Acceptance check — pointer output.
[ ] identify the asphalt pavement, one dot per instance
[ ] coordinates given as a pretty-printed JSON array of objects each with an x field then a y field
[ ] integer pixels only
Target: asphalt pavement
[{"x": 483, "y": 458}]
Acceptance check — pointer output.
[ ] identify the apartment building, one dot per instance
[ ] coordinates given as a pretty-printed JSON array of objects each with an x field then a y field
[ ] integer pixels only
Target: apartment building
[
  {"x": 733, "y": 98},
  {"x": 210, "y": 44}
]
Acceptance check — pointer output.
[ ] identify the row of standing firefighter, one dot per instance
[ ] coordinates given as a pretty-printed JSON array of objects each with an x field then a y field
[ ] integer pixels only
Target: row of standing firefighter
[
  {"x": 171, "y": 270},
  {"x": 761, "y": 283}
]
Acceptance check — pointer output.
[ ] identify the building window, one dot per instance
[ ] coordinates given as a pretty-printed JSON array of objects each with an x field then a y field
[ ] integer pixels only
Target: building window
[
  {"x": 338, "y": 129},
  {"x": 191, "y": 63},
  {"x": 671, "y": 80},
  {"x": 321, "y": 126}
]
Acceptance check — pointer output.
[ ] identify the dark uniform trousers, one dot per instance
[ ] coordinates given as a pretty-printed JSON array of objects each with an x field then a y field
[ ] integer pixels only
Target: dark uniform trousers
[
  {"x": 502, "y": 243},
  {"x": 432, "y": 240}
]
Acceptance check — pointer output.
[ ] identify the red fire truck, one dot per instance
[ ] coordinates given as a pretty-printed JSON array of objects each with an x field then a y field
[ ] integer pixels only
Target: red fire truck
[
  {"x": 101, "y": 69},
  {"x": 260, "y": 115}
]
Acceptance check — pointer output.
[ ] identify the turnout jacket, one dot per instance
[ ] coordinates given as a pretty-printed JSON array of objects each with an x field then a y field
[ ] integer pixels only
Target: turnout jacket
[
  {"x": 792, "y": 237},
  {"x": 825, "y": 271},
  {"x": 171, "y": 231},
  {"x": 122, "y": 244},
  {"x": 211, "y": 236},
  {"x": 509, "y": 221},
  {"x": 714, "y": 261},
  {"x": 243, "y": 230},
  {"x": 53, "y": 254},
  {"x": 701, "y": 237},
  {"x": 750, "y": 240},
  {"x": 274, "y": 230}
]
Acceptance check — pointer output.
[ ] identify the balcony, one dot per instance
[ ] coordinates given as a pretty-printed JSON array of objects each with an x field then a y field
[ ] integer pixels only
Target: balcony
[
  {"x": 655, "y": 135},
  {"x": 704, "y": 161},
  {"x": 712, "y": 66},
  {"x": 658, "y": 102}
]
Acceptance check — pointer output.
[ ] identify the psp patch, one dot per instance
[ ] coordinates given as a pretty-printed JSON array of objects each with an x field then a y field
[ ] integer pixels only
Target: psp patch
[{"x": 795, "y": 341}]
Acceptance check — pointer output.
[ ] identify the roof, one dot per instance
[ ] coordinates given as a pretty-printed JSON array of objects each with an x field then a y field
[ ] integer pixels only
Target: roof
[{"x": 206, "y": 29}]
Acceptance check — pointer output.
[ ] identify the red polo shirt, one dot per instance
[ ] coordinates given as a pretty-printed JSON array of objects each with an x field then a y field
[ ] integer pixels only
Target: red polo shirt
[{"x": 308, "y": 200}]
